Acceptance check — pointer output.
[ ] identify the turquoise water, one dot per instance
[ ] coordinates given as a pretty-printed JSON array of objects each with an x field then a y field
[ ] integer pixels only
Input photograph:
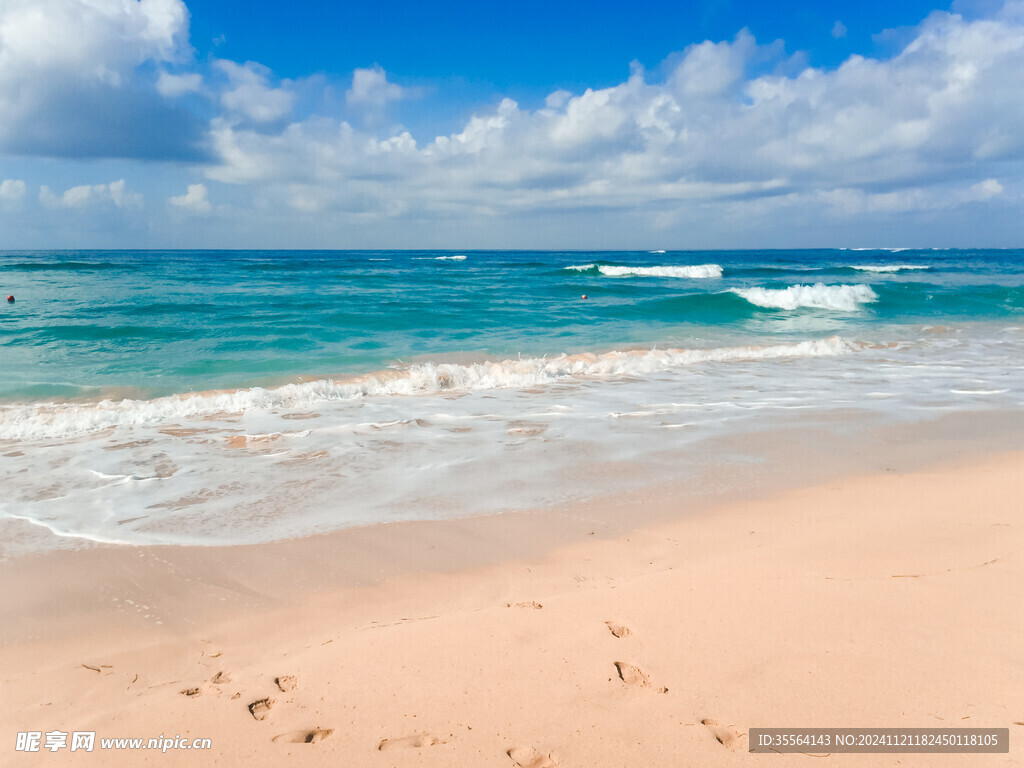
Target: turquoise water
[
  {"x": 167, "y": 397},
  {"x": 150, "y": 323}
]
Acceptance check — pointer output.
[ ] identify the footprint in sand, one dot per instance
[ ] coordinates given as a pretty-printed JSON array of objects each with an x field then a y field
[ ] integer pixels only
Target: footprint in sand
[
  {"x": 286, "y": 683},
  {"x": 221, "y": 678},
  {"x": 260, "y": 708},
  {"x": 632, "y": 676},
  {"x": 619, "y": 630},
  {"x": 528, "y": 757},
  {"x": 531, "y": 604},
  {"x": 725, "y": 735},
  {"x": 313, "y": 736},
  {"x": 415, "y": 741}
]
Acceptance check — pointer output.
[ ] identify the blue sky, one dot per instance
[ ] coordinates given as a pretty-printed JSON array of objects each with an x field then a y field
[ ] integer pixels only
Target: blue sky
[
  {"x": 166, "y": 123},
  {"x": 529, "y": 44}
]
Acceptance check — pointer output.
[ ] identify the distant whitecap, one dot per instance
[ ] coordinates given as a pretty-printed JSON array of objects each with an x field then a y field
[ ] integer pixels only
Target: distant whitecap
[
  {"x": 888, "y": 267},
  {"x": 691, "y": 271}
]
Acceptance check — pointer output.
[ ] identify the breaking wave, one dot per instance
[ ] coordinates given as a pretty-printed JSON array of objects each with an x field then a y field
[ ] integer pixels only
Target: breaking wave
[
  {"x": 686, "y": 271},
  {"x": 841, "y": 298},
  {"x": 59, "y": 420}
]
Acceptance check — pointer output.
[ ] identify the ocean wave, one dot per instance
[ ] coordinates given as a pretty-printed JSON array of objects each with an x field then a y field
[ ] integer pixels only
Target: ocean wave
[
  {"x": 842, "y": 298},
  {"x": 696, "y": 270},
  {"x": 685, "y": 271},
  {"x": 888, "y": 267},
  {"x": 61, "y": 420}
]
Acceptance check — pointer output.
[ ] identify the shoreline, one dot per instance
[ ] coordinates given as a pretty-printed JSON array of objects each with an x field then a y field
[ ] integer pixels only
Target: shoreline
[
  {"x": 768, "y": 453},
  {"x": 438, "y": 373},
  {"x": 871, "y": 598},
  {"x": 739, "y": 468}
]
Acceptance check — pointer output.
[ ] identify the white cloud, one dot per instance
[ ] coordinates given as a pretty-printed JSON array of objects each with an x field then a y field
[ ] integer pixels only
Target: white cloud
[
  {"x": 115, "y": 193},
  {"x": 250, "y": 94},
  {"x": 871, "y": 137},
  {"x": 70, "y": 78},
  {"x": 11, "y": 190},
  {"x": 173, "y": 86},
  {"x": 195, "y": 199},
  {"x": 985, "y": 190},
  {"x": 557, "y": 99},
  {"x": 370, "y": 88},
  {"x": 838, "y": 30},
  {"x": 88, "y": 39},
  {"x": 711, "y": 69},
  {"x": 847, "y": 202}
]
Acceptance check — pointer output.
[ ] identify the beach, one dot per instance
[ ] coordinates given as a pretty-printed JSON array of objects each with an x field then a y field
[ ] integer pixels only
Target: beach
[
  {"x": 649, "y": 628},
  {"x": 402, "y": 508},
  {"x": 500, "y": 386}
]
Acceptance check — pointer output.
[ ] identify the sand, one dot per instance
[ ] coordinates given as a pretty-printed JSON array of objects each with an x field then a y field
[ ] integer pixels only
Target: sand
[{"x": 555, "y": 639}]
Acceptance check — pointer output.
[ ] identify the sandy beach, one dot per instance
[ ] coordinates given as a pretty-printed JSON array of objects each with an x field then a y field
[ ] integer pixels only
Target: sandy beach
[
  {"x": 568, "y": 638},
  {"x": 511, "y": 385}
]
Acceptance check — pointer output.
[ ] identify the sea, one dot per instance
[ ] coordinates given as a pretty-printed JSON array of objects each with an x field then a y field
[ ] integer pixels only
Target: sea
[{"x": 230, "y": 397}]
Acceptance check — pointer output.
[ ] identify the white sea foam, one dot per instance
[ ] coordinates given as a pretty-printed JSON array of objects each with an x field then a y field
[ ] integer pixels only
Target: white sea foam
[
  {"x": 458, "y": 257},
  {"x": 842, "y": 298},
  {"x": 59, "y": 420},
  {"x": 66, "y": 533},
  {"x": 686, "y": 271},
  {"x": 887, "y": 267},
  {"x": 690, "y": 271},
  {"x": 890, "y": 250},
  {"x": 656, "y": 251}
]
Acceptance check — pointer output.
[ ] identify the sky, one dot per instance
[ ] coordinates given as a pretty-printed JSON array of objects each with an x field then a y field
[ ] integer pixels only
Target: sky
[{"x": 464, "y": 125}]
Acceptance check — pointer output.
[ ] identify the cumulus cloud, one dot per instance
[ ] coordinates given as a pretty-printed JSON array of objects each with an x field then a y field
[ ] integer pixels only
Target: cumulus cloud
[
  {"x": 115, "y": 193},
  {"x": 941, "y": 120},
  {"x": 370, "y": 88},
  {"x": 70, "y": 84},
  {"x": 710, "y": 69},
  {"x": 195, "y": 199},
  {"x": 250, "y": 94},
  {"x": 838, "y": 30},
  {"x": 11, "y": 190},
  {"x": 99, "y": 40}
]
